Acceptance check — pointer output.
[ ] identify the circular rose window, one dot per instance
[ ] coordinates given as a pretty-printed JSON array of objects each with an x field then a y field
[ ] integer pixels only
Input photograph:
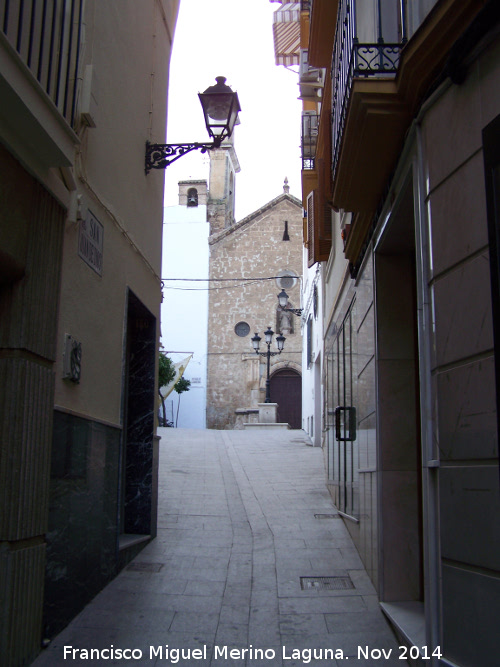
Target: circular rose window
[{"x": 242, "y": 329}]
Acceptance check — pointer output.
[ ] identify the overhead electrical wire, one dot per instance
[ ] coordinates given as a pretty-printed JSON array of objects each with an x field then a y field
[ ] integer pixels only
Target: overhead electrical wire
[
  {"x": 208, "y": 280},
  {"x": 204, "y": 289},
  {"x": 239, "y": 281}
]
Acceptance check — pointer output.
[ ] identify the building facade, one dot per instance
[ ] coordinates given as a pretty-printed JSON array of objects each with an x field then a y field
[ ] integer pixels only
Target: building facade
[
  {"x": 290, "y": 46},
  {"x": 250, "y": 262},
  {"x": 185, "y": 294},
  {"x": 80, "y": 257},
  {"x": 401, "y": 186}
]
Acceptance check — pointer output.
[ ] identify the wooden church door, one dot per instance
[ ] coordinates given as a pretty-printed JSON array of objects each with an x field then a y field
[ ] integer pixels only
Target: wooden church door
[{"x": 286, "y": 391}]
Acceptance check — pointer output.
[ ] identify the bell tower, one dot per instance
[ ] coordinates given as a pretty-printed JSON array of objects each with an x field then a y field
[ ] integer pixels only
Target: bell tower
[
  {"x": 224, "y": 166},
  {"x": 192, "y": 193}
]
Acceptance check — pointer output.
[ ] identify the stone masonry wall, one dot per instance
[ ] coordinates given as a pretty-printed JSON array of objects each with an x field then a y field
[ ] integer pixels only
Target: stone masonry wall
[{"x": 252, "y": 248}]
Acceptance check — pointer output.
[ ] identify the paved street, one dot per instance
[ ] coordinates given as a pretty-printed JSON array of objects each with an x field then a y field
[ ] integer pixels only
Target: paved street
[{"x": 243, "y": 518}]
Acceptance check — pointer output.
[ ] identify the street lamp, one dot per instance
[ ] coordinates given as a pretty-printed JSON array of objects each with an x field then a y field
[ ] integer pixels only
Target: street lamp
[
  {"x": 280, "y": 342},
  {"x": 220, "y": 110},
  {"x": 283, "y": 303}
]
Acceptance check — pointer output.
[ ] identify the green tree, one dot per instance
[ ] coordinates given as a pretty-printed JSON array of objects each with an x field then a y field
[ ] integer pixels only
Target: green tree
[
  {"x": 180, "y": 387},
  {"x": 166, "y": 373}
]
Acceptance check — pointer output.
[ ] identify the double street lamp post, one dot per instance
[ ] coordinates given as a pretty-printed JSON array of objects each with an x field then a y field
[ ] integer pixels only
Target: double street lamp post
[{"x": 280, "y": 342}]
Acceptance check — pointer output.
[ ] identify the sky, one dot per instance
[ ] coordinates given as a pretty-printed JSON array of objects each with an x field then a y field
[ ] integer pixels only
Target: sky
[{"x": 234, "y": 38}]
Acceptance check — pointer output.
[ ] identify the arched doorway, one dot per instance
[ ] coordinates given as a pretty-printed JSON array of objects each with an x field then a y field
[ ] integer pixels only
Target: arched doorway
[{"x": 286, "y": 391}]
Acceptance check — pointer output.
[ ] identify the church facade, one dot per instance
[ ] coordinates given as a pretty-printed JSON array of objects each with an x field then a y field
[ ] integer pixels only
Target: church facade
[{"x": 250, "y": 262}]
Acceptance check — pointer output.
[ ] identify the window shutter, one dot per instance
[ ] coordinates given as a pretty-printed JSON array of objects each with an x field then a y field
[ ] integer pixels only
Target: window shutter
[
  {"x": 310, "y": 228},
  {"x": 324, "y": 212},
  {"x": 319, "y": 225}
]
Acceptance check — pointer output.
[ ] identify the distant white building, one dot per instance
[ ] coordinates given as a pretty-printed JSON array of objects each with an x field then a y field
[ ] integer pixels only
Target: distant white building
[
  {"x": 312, "y": 349},
  {"x": 184, "y": 311}
]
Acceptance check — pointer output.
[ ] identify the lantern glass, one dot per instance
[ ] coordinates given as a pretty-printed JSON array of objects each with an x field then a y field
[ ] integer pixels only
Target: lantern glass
[
  {"x": 283, "y": 299},
  {"x": 280, "y": 341},
  {"x": 220, "y": 108},
  {"x": 269, "y": 335},
  {"x": 255, "y": 341}
]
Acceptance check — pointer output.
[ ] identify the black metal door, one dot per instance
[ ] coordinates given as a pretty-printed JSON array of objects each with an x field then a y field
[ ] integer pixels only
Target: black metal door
[{"x": 286, "y": 391}]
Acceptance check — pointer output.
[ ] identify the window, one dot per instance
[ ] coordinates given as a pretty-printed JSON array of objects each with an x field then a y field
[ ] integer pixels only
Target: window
[
  {"x": 309, "y": 341},
  {"x": 242, "y": 329}
]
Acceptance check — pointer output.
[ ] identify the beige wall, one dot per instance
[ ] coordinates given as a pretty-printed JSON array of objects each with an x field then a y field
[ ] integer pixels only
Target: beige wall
[
  {"x": 463, "y": 360},
  {"x": 128, "y": 84},
  {"x": 337, "y": 271},
  {"x": 428, "y": 480},
  {"x": 252, "y": 248},
  {"x": 53, "y": 174}
]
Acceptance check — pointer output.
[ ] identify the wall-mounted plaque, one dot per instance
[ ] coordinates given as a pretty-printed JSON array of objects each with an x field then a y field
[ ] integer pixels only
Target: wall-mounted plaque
[{"x": 91, "y": 242}]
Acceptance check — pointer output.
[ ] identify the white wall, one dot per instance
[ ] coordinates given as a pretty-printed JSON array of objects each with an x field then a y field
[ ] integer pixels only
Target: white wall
[{"x": 311, "y": 373}]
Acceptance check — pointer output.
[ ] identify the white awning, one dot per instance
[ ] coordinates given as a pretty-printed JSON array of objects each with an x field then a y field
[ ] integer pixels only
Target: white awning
[{"x": 286, "y": 32}]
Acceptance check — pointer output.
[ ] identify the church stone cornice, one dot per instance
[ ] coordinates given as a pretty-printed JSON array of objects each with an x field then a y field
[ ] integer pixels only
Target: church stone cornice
[{"x": 218, "y": 236}]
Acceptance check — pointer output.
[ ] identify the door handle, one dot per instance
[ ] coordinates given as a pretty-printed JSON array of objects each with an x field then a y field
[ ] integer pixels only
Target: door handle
[{"x": 349, "y": 423}]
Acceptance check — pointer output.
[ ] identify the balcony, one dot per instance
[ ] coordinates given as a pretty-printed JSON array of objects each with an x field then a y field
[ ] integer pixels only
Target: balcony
[
  {"x": 310, "y": 122},
  {"x": 311, "y": 79},
  {"x": 356, "y": 57},
  {"x": 47, "y": 37},
  {"x": 369, "y": 118},
  {"x": 380, "y": 78}
]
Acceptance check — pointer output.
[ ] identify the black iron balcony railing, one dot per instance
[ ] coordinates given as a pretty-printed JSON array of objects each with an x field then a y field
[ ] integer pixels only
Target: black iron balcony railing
[
  {"x": 47, "y": 36},
  {"x": 305, "y": 5},
  {"x": 351, "y": 58},
  {"x": 310, "y": 124}
]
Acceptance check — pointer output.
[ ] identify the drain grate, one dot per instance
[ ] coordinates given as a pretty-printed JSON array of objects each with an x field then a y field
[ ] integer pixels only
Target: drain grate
[
  {"x": 327, "y": 516},
  {"x": 142, "y": 566},
  {"x": 326, "y": 583}
]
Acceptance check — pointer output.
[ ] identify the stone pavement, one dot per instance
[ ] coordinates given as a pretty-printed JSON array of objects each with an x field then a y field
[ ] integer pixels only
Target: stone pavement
[{"x": 243, "y": 517}]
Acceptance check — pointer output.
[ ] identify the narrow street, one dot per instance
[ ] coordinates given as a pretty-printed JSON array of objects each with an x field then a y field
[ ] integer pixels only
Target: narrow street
[{"x": 247, "y": 534}]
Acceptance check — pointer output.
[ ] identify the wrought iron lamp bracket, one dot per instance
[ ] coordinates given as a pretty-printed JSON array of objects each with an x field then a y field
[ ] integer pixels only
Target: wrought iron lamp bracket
[
  {"x": 268, "y": 353},
  {"x": 160, "y": 156},
  {"x": 295, "y": 311}
]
